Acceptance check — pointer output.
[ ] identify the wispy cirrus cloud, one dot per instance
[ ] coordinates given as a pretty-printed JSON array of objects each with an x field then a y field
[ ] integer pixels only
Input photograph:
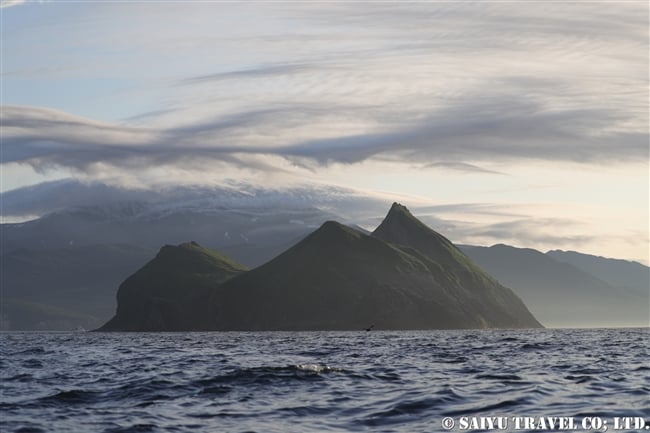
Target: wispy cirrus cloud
[
  {"x": 503, "y": 131},
  {"x": 252, "y": 73},
  {"x": 465, "y": 85},
  {"x": 460, "y": 166},
  {"x": 10, "y": 3},
  {"x": 532, "y": 231}
]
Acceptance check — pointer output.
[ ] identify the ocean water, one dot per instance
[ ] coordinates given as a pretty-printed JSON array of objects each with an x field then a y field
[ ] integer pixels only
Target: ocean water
[{"x": 323, "y": 381}]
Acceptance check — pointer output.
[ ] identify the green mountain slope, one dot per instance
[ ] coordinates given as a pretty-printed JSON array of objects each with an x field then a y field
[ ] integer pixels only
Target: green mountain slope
[
  {"x": 499, "y": 305},
  {"x": 169, "y": 292},
  {"x": 340, "y": 279},
  {"x": 402, "y": 228}
]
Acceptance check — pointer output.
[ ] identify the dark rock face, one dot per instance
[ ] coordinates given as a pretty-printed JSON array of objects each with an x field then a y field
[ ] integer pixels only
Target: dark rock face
[
  {"x": 169, "y": 292},
  {"x": 403, "y": 276}
]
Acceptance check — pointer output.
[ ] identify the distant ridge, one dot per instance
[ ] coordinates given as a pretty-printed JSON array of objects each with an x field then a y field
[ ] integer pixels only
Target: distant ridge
[
  {"x": 615, "y": 272},
  {"x": 564, "y": 294},
  {"x": 59, "y": 289}
]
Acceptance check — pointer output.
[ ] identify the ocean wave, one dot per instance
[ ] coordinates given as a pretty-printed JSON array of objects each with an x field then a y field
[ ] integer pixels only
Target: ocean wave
[{"x": 305, "y": 382}]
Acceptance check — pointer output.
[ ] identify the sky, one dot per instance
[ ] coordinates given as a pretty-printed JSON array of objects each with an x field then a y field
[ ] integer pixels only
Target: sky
[{"x": 520, "y": 122}]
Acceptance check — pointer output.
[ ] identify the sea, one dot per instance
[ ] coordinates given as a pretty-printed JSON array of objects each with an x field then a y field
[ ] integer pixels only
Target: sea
[{"x": 410, "y": 382}]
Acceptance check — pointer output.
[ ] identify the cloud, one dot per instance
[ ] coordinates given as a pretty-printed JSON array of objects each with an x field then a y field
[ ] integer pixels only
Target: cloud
[
  {"x": 10, "y": 3},
  {"x": 42, "y": 137},
  {"x": 383, "y": 97},
  {"x": 436, "y": 85},
  {"x": 526, "y": 230},
  {"x": 363, "y": 207},
  {"x": 490, "y": 209},
  {"x": 533, "y": 231},
  {"x": 504, "y": 129},
  {"x": 47, "y": 197},
  {"x": 52, "y": 196},
  {"x": 459, "y": 166},
  {"x": 252, "y": 73}
]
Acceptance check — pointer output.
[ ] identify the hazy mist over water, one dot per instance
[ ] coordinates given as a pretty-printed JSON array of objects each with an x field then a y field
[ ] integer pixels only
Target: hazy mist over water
[{"x": 317, "y": 381}]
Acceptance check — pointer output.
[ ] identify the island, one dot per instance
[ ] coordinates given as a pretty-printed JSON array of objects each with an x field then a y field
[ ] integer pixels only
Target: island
[{"x": 403, "y": 276}]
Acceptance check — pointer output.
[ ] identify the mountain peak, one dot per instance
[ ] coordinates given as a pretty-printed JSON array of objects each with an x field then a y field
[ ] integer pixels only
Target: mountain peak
[
  {"x": 197, "y": 257},
  {"x": 399, "y": 214},
  {"x": 334, "y": 226},
  {"x": 398, "y": 207},
  {"x": 332, "y": 232},
  {"x": 402, "y": 228},
  {"x": 400, "y": 222}
]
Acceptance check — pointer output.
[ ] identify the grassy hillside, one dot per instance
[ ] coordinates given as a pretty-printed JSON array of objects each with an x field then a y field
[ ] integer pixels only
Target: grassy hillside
[
  {"x": 170, "y": 292},
  {"x": 339, "y": 278},
  {"x": 486, "y": 295}
]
